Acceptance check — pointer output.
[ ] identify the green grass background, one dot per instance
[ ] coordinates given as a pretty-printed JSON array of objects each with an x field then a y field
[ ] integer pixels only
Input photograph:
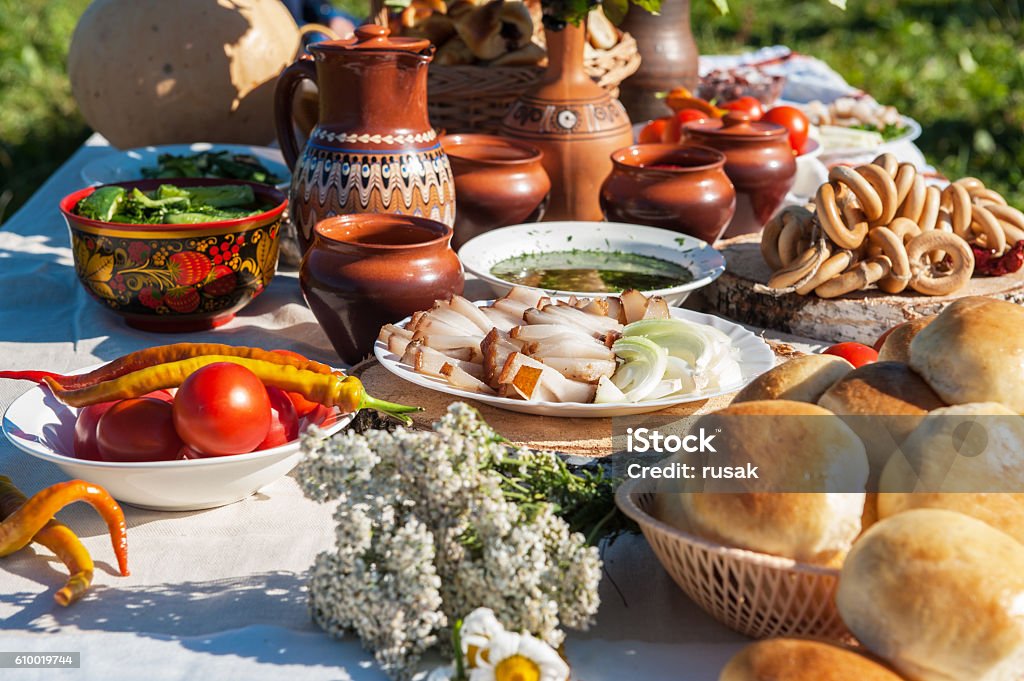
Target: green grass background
[{"x": 957, "y": 66}]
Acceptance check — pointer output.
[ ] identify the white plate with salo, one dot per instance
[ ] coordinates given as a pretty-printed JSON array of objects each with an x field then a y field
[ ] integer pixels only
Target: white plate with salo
[
  {"x": 754, "y": 357},
  {"x": 41, "y": 426},
  {"x": 126, "y": 166},
  {"x": 481, "y": 253}
]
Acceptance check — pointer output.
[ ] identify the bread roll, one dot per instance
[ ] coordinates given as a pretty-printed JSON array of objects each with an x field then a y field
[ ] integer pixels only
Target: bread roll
[
  {"x": 967, "y": 458},
  {"x": 896, "y": 347},
  {"x": 939, "y": 595},
  {"x": 481, "y": 30},
  {"x": 516, "y": 25},
  {"x": 885, "y": 402},
  {"x": 974, "y": 352},
  {"x": 802, "y": 379},
  {"x": 791, "y": 659},
  {"x": 454, "y": 53},
  {"x": 524, "y": 56},
  {"x": 799, "y": 448},
  {"x": 601, "y": 32}
]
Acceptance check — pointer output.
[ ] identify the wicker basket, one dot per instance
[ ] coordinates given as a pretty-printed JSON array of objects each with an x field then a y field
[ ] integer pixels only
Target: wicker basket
[
  {"x": 752, "y": 593},
  {"x": 476, "y": 98}
]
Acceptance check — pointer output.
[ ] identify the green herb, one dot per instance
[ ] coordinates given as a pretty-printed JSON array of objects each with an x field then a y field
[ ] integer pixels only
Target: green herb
[
  {"x": 889, "y": 132},
  {"x": 170, "y": 204},
  {"x": 219, "y": 164}
]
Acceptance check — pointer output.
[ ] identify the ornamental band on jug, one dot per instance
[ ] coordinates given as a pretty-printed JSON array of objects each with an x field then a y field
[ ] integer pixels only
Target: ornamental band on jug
[{"x": 373, "y": 149}]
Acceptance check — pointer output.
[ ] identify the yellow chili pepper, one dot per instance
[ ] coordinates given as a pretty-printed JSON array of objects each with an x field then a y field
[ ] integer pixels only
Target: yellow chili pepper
[
  {"x": 27, "y": 520},
  {"x": 332, "y": 390}
]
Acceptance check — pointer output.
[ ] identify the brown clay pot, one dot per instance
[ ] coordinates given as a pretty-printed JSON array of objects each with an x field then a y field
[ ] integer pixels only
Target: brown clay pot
[
  {"x": 363, "y": 271},
  {"x": 684, "y": 189},
  {"x": 758, "y": 160},
  {"x": 669, "y": 58},
  {"x": 575, "y": 123},
  {"x": 499, "y": 182},
  {"x": 373, "y": 149}
]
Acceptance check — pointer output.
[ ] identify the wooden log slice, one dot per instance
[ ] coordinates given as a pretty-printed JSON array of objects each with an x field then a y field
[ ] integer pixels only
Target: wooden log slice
[{"x": 861, "y": 317}]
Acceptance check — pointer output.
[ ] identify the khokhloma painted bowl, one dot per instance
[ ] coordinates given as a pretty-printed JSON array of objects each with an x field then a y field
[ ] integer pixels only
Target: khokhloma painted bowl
[{"x": 171, "y": 278}]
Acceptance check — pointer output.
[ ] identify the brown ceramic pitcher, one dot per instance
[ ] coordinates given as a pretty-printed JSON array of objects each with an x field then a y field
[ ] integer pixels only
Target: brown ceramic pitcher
[
  {"x": 683, "y": 189},
  {"x": 758, "y": 160},
  {"x": 499, "y": 182},
  {"x": 364, "y": 271},
  {"x": 373, "y": 149}
]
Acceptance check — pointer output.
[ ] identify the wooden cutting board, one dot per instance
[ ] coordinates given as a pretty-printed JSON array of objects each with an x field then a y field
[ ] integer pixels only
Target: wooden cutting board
[
  {"x": 578, "y": 436},
  {"x": 861, "y": 317}
]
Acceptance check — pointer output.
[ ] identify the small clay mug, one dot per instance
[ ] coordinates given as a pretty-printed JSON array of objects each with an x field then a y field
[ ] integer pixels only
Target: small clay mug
[
  {"x": 759, "y": 161},
  {"x": 683, "y": 189},
  {"x": 366, "y": 270},
  {"x": 498, "y": 182}
]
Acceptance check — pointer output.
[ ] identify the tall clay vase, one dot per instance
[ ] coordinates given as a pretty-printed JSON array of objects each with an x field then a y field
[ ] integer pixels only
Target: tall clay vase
[
  {"x": 669, "y": 55},
  {"x": 575, "y": 123}
]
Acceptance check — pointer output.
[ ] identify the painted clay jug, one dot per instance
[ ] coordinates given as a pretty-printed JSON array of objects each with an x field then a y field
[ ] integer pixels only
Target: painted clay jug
[
  {"x": 373, "y": 149},
  {"x": 575, "y": 123}
]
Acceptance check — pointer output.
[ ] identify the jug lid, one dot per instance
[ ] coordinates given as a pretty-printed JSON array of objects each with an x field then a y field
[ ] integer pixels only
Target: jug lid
[
  {"x": 738, "y": 124},
  {"x": 374, "y": 37}
]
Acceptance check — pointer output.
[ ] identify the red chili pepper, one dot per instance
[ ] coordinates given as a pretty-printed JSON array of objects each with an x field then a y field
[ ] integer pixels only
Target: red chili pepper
[{"x": 35, "y": 376}]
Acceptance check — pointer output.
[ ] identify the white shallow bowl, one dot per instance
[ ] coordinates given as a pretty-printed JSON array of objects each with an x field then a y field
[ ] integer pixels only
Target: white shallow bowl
[
  {"x": 755, "y": 358},
  {"x": 483, "y": 252},
  {"x": 127, "y": 165},
  {"x": 41, "y": 426}
]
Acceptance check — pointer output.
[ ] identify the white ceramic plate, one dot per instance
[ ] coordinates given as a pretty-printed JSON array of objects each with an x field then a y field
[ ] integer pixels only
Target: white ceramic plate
[
  {"x": 483, "y": 252},
  {"x": 755, "y": 358},
  {"x": 830, "y": 155},
  {"x": 125, "y": 166},
  {"x": 39, "y": 425}
]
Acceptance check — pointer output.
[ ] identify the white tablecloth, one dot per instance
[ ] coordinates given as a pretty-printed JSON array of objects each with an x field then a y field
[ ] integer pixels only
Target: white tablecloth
[{"x": 219, "y": 594}]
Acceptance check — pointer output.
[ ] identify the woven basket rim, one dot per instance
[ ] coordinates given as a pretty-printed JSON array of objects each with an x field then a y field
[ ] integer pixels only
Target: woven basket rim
[{"x": 626, "y": 500}]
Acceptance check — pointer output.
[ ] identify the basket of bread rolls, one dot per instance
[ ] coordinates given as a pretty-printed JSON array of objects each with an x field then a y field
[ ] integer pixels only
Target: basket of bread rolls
[
  {"x": 490, "y": 52},
  {"x": 909, "y": 539}
]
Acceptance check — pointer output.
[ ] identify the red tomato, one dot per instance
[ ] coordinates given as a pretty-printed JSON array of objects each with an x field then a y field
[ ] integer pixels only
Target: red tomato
[
  {"x": 302, "y": 405},
  {"x": 653, "y": 131},
  {"x": 856, "y": 354},
  {"x": 222, "y": 409},
  {"x": 85, "y": 431},
  {"x": 85, "y": 426},
  {"x": 794, "y": 120},
  {"x": 674, "y": 128},
  {"x": 748, "y": 105},
  {"x": 284, "y": 422},
  {"x": 138, "y": 429},
  {"x": 321, "y": 414}
]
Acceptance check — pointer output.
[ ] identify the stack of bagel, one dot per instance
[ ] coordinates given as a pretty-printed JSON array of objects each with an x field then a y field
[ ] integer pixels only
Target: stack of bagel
[
  {"x": 880, "y": 224},
  {"x": 916, "y": 464}
]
